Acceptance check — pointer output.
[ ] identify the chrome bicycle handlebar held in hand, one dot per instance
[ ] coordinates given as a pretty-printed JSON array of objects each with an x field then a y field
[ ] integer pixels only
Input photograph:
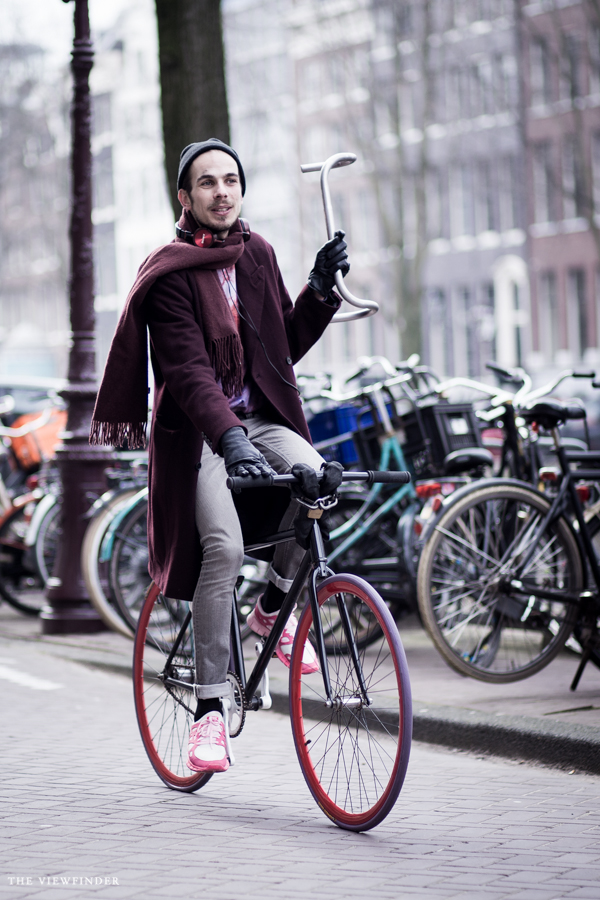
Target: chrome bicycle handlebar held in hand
[{"x": 365, "y": 307}]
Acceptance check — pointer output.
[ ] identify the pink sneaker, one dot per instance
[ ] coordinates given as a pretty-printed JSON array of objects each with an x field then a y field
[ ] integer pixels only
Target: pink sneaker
[
  {"x": 207, "y": 751},
  {"x": 261, "y": 623}
]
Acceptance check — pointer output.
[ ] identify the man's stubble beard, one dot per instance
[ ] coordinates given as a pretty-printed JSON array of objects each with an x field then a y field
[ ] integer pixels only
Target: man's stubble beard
[{"x": 214, "y": 228}]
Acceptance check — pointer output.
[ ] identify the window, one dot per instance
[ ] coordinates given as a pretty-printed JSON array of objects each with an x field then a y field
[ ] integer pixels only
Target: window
[
  {"x": 461, "y": 13},
  {"x": 542, "y": 182},
  {"x": 507, "y": 193},
  {"x": 577, "y": 312},
  {"x": 573, "y": 194},
  {"x": 405, "y": 20},
  {"x": 103, "y": 179},
  {"x": 595, "y": 156},
  {"x": 311, "y": 79},
  {"x": 101, "y": 114},
  {"x": 462, "y": 211},
  {"x": 594, "y": 50},
  {"x": 461, "y": 302},
  {"x": 539, "y": 62},
  {"x": 549, "y": 325},
  {"x": 485, "y": 212},
  {"x": 439, "y": 335},
  {"x": 365, "y": 232},
  {"x": 570, "y": 85},
  {"x": 435, "y": 204},
  {"x": 105, "y": 263}
]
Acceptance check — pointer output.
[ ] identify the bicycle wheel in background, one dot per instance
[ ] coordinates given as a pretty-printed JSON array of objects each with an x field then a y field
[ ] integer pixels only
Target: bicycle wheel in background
[
  {"x": 480, "y": 628},
  {"x": 353, "y": 756},
  {"x": 47, "y": 541},
  {"x": 369, "y": 547},
  {"x": 164, "y": 713},
  {"x": 96, "y": 572},
  {"x": 20, "y": 583},
  {"x": 128, "y": 567}
]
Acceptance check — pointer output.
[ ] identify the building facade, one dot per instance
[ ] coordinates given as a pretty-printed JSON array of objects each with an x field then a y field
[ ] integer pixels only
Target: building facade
[
  {"x": 561, "y": 79},
  {"x": 34, "y": 199},
  {"x": 132, "y": 214},
  {"x": 427, "y": 96}
]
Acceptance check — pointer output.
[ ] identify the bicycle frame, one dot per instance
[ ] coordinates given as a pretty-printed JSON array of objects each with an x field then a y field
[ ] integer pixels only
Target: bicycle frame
[
  {"x": 390, "y": 449},
  {"x": 314, "y": 563},
  {"x": 584, "y": 542}
]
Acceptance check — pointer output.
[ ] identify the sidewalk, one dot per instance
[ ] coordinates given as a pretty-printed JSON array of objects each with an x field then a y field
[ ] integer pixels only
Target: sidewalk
[{"x": 538, "y": 719}]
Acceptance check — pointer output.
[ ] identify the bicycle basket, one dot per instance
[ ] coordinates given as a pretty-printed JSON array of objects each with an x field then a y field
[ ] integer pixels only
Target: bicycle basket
[
  {"x": 433, "y": 431},
  {"x": 332, "y": 430}
]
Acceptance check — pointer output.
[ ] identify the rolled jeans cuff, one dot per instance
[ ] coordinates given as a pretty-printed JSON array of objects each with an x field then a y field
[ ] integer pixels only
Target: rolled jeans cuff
[
  {"x": 212, "y": 691},
  {"x": 284, "y": 584}
]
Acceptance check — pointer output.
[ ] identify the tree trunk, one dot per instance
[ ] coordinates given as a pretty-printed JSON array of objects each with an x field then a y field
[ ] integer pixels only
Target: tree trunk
[{"x": 192, "y": 79}]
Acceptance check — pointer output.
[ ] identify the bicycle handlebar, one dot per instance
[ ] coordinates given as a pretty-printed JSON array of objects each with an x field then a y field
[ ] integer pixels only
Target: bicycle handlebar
[
  {"x": 365, "y": 308},
  {"x": 42, "y": 420},
  {"x": 237, "y": 484},
  {"x": 552, "y": 385}
]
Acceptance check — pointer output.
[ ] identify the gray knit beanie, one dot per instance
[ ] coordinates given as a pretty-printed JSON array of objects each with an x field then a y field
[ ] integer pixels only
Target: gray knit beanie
[{"x": 189, "y": 154}]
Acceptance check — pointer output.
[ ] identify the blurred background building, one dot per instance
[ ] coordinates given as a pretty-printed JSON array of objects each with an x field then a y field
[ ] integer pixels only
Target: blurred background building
[
  {"x": 561, "y": 84},
  {"x": 470, "y": 213},
  {"x": 34, "y": 191}
]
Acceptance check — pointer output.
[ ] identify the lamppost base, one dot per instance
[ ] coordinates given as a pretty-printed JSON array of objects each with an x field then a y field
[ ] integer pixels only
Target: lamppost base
[
  {"x": 82, "y": 469},
  {"x": 72, "y": 618}
]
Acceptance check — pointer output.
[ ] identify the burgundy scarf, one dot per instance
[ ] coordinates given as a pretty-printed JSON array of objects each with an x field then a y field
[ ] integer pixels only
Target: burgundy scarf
[{"x": 121, "y": 411}]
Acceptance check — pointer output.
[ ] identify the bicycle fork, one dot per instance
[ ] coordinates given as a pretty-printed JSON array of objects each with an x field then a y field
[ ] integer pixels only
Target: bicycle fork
[{"x": 321, "y": 570}]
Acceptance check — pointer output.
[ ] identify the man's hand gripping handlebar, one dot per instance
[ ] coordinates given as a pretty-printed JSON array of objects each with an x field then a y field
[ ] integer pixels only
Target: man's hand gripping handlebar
[{"x": 237, "y": 484}]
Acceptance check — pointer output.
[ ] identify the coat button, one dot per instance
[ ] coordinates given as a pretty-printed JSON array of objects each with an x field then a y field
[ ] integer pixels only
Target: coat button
[{"x": 288, "y": 360}]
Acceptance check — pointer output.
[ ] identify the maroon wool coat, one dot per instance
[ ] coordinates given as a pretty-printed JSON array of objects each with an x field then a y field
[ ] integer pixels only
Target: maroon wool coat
[{"x": 189, "y": 405}]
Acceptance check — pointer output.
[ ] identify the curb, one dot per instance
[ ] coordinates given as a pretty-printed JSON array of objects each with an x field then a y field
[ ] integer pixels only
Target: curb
[{"x": 514, "y": 737}]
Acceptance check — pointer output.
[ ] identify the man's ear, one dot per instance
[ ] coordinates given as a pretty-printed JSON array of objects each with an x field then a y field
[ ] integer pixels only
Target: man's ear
[{"x": 184, "y": 198}]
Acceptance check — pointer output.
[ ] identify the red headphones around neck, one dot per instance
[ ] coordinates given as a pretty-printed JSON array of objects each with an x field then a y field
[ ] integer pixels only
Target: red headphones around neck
[{"x": 204, "y": 237}]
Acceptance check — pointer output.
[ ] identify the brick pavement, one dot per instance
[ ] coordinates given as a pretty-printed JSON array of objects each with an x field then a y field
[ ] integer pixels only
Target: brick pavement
[{"x": 78, "y": 799}]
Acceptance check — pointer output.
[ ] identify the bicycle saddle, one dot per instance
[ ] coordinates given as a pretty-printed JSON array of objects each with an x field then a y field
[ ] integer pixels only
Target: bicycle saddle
[
  {"x": 464, "y": 460},
  {"x": 549, "y": 413}
]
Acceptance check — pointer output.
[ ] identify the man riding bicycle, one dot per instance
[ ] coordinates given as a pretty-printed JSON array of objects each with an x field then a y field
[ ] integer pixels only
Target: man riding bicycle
[{"x": 224, "y": 336}]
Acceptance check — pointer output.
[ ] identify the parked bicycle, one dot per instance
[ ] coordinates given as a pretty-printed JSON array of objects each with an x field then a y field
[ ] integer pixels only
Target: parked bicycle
[
  {"x": 507, "y": 573},
  {"x": 21, "y": 585}
]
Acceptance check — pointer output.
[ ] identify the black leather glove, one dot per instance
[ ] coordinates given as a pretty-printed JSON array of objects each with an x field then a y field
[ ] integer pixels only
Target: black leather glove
[
  {"x": 331, "y": 257},
  {"x": 241, "y": 457},
  {"x": 307, "y": 484},
  {"x": 309, "y": 488}
]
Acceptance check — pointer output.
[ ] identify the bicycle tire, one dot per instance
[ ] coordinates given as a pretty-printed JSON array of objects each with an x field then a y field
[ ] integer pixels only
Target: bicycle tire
[
  {"x": 164, "y": 713},
  {"x": 479, "y": 628},
  {"x": 128, "y": 567},
  {"x": 20, "y": 584},
  {"x": 95, "y": 573},
  {"x": 333, "y": 744},
  {"x": 47, "y": 541}
]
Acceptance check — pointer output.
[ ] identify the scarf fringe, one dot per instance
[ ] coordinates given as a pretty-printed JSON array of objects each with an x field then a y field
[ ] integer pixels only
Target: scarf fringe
[
  {"x": 227, "y": 357},
  {"x": 116, "y": 433}
]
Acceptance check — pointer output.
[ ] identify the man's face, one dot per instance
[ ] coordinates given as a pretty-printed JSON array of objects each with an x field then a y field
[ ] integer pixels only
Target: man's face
[{"x": 216, "y": 195}]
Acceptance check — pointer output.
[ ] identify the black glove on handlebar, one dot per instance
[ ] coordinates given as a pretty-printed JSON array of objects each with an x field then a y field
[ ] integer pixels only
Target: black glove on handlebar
[
  {"x": 331, "y": 257},
  {"x": 308, "y": 487},
  {"x": 241, "y": 457}
]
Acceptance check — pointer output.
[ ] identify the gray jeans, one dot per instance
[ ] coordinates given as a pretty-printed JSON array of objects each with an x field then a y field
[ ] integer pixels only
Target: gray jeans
[{"x": 223, "y": 548}]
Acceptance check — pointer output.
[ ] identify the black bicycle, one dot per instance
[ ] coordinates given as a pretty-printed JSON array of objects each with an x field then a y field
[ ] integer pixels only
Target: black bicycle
[
  {"x": 351, "y": 722},
  {"x": 507, "y": 573}
]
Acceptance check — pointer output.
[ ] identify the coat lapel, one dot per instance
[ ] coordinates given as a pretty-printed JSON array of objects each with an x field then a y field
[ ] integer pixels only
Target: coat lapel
[{"x": 250, "y": 279}]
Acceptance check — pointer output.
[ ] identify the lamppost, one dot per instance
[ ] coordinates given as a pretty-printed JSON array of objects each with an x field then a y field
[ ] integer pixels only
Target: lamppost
[{"x": 81, "y": 466}]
